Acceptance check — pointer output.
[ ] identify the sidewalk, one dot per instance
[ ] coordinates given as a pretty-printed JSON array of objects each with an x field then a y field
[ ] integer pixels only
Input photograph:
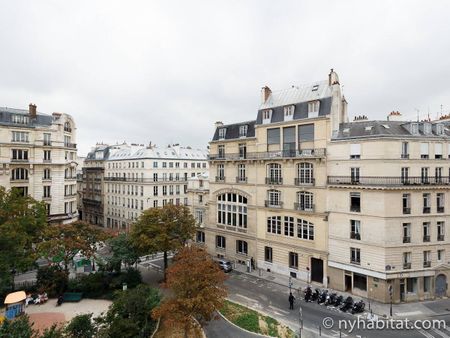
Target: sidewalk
[{"x": 403, "y": 310}]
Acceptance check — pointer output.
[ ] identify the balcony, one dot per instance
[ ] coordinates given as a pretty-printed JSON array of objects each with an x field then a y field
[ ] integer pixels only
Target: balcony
[
  {"x": 355, "y": 208},
  {"x": 17, "y": 160},
  {"x": 426, "y": 264},
  {"x": 304, "y": 181},
  {"x": 270, "y": 155},
  {"x": 406, "y": 211},
  {"x": 273, "y": 204},
  {"x": 426, "y": 238},
  {"x": 405, "y": 156},
  {"x": 440, "y": 238},
  {"x": 355, "y": 261},
  {"x": 46, "y": 179},
  {"x": 19, "y": 180},
  {"x": 304, "y": 207},
  {"x": 47, "y": 160},
  {"x": 70, "y": 177},
  {"x": 426, "y": 210},
  {"x": 68, "y": 129},
  {"x": 406, "y": 266},
  {"x": 241, "y": 179},
  {"x": 440, "y": 209},
  {"x": 355, "y": 235},
  {"x": 406, "y": 239},
  {"x": 70, "y": 145},
  {"x": 274, "y": 180},
  {"x": 394, "y": 181},
  {"x": 220, "y": 178},
  {"x": 46, "y": 198}
]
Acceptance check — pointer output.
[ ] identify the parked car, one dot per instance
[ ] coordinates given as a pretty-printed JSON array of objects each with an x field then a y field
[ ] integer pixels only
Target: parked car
[{"x": 225, "y": 265}]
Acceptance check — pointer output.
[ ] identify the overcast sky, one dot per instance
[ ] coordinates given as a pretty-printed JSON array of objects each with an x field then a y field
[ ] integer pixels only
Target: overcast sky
[{"x": 165, "y": 71}]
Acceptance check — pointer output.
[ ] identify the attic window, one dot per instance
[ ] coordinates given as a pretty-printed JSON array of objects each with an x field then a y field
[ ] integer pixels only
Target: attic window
[
  {"x": 267, "y": 115},
  {"x": 414, "y": 128},
  {"x": 385, "y": 126},
  {"x": 243, "y": 130},
  {"x": 222, "y": 132},
  {"x": 315, "y": 88},
  {"x": 313, "y": 109},
  {"x": 427, "y": 128},
  {"x": 439, "y": 129},
  {"x": 289, "y": 112},
  {"x": 368, "y": 128}
]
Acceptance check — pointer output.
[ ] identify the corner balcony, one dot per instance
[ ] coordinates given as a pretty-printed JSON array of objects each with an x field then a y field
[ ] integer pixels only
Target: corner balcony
[
  {"x": 270, "y": 155},
  {"x": 389, "y": 181}
]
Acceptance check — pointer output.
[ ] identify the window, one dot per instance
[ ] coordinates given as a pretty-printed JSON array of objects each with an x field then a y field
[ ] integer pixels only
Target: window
[
  {"x": 424, "y": 175},
  {"x": 440, "y": 230},
  {"x": 354, "y": 175},
  {"x": 241, "y": 247},
  {"x": 273, "y": 198},
  {"x": 274, "y": 225},
  {"x": 438, "y": 174},
  {"x": 221, "y": 151},
  {"x": 406, "y": 203},
  {"x": 427, "y": 284},
  {"x": 19, "y": 155},
  {"x": 155, "y": 203},
  {"x": 355, "y": 151},
  {"x": 407, "y": 260},
  {"x": 47, "y": 155},
  {"x": 199, "y": 216},
  {"x": 19, "y": 136},
  {"x": 19, "y": 119},
  {"x": 305, "y": 174},
  {"x": 426, "y": 231},
  {"x": 47, "y": 139},
  {"x": 155, "y": 164},
  {"x": 289, "y": 112},
  {"x": 355, "y": 201},
  {"x": 306, "y": 133},
  {"x": 232, "y": 210},
  {"x": 67, "y": 127},
  {"x": 266, "y": 115},
  {"x": 426, "y": 203},
  {"x": 242, "y": 151},
  {"x": 19, "y": 174},
  {"x": 243, "y": 130},
  {"x": 355, "y": 256},
  {"x": 438, "y": 150},
  {"x": 424, "y": 150},
  {"x": 440, "y": 255},
  {"x": 427, "y": 128},
  {"x": 426, "y": 259},
  {"x": 155, "y": 191},
  {"x": 241, "y": 173},
  {"x": 289, "y": 141},
  {"x": 222, "y": 132},
  {"x": 220, "y": 172},
  {"x": 47, "y": 174},
  {"x": 304, "y": 201},
  {"x": 411, "y": 285},
  {"x": 313, "y": 108},
  {"x": 274, "y": 174},
  {"x": 405, "y": 150},
  {"x": 268, "y": 254},
  {"x": 289, "y": 226},
  {"x": 440, "y": 202},
  {"x": 47, "y": 191},
  {"x": 200, "y": 238},
  {"x": 305, "y": 229},
  {"x": 405, "y": 175},
  {"x": 355, "y": 229},
  {"x": 414, "y": 128},
  {"x": 293, "y": 260},
  {"x": 220, "y": 242},
  {"x": 273, "y": 136}
]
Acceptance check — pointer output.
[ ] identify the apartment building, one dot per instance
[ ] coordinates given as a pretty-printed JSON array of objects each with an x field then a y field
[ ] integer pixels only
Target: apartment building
[
  {"x": 198, "y": 197},
  {"x": 268, "y": 187},
  {"x": 38, "y": 157},
  {"x": 388, "y": 203},
  {"x": 121, "y": 181}
]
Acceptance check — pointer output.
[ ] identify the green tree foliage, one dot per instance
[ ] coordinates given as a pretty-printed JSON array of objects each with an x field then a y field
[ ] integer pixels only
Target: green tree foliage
[
  {"x": 163, "y": 229},
  {"x": 54, "y": 331},
  {"x": 198, "y": 287},
  {"x": 64, "y": 241},
  {"x": 122, "y": 251},
  {"x": 52, "y": 279},
  {"x": 81, "y": 326},
  {"x": 17, "y": 328},
  {"x": 129, "y": 315},
  {"x": 22, "y": 221}
]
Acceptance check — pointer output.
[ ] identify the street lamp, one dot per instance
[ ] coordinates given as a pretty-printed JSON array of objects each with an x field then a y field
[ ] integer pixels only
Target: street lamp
[
  {"x": 390, "y": 295},
  {"x": 300, "y": 320}
]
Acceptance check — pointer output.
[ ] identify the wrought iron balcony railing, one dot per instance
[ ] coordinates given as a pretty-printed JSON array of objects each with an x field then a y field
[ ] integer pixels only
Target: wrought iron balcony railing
[
  {"x": 388, "y": 180},
  {"x": 304, "y": 153}
]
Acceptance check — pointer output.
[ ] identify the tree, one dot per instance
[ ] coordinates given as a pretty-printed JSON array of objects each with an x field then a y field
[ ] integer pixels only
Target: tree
[
  {"x": 129, "y": 315},
  {"x": 198, "y": 287},
  {"x": 54, "y": 331},
  {"x": 17, "y": 328},
  {"x": 52, "y": 279},
  {"x": 81, "y": 326},
  {"x": 122, "y": 251},
  {"x": 64, "y": 241},
  {"x": 22, "y": 221},
  {"x": 163, "y": 229}
]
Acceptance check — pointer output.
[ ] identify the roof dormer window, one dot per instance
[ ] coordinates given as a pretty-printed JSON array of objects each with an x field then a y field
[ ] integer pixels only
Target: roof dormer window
[
  {"x": 427, "y": 128},
  {"x": 439, "y": 129},
  {"x": 19, "y": 119},
  {"x": 315, "y": 88},
  {"x": 243, "y": 130},
  {"x": 222, "y": 132},
  {"x": 289, "y": 112},
  {"x": 313, "y": 108},
  {"x": 414, "y": 128},
  {"x": 267, "y": 115}
]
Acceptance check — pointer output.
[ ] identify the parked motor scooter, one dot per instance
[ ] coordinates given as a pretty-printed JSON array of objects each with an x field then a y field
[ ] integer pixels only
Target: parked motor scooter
[
  {"x": 308, "y": 294},
  {"x": 323, "y": 297},
  {"x": 347, "y": 304},
  {"x": 60, "y": 301},
  {"x": 358, "y": 307},
  {"x": 331, "y": 297},
  {"x": 338, "y": 301},
  {"x": 315, "y": 295}
]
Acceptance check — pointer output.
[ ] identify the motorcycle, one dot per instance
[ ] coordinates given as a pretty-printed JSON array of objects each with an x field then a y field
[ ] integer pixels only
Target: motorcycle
[
  {"x": 331, "y": 297},
  {"x": 347, "y": 304},
  {"x": 358, "y": 307},
  {"x": 315, "y": 295},
  {"x": 338, "y": 301},
  {"x": 308, "y": 294},
  {"x": 59, "y": 301},
  {"x": 323, "y": 297}
]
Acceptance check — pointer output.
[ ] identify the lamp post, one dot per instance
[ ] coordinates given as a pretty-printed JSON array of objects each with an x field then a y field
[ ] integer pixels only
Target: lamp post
[
  {"x": 290, "y": 284},
  {"x": 300, "y": 320},
  {"x": 390, "y": 296}
]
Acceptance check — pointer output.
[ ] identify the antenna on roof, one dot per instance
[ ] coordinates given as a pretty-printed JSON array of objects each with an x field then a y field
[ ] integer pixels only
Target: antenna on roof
[{"x": 417, "y": 110}]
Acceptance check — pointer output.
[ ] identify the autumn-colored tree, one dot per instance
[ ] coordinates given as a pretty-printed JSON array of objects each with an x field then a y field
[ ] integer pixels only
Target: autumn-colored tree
[
  {"x": 162, "y": 230},
  {"x": 198, "y": 287},
  {"x": 64, "y": 241},
  {"x": 22, "y": 221}
]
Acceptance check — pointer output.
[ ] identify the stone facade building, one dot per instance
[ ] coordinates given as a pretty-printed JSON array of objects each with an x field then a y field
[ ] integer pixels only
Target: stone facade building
[{"x": 38, "y": 157}]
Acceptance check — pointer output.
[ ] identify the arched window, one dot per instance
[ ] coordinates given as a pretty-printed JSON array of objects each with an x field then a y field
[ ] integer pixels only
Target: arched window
[
  {"x": 305, "y": 229},
  {"x": 304, "y": 201},
  {"x": 19, "y": 174},
  {"x": 67, "y": 127},
  {"x": 274, "y": 174},
  {"x": 305, "y": 174},
  {"x": 273, "y": 199},
  {"x": 232, "y": 210}
]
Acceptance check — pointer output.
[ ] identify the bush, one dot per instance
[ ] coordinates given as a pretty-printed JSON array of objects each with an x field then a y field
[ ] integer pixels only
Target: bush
[
  {"x": 52, "y": 279},
  {"x": 131, "y": 277},
  {"x": 18, "y": 328},
  {"x": 81, "y": 326}
]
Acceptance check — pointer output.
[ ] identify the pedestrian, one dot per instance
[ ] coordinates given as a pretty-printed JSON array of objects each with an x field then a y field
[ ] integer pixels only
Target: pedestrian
[
  {"x": 291, "y": 301},
  {"x": 252, "y": 262}
]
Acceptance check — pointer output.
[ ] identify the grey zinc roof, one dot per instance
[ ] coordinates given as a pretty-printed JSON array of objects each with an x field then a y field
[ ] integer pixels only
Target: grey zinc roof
[
  {"x": 41, "y": 119},
  {"x": 233, "y": 130},
  {"x": 366, "y": 129}
]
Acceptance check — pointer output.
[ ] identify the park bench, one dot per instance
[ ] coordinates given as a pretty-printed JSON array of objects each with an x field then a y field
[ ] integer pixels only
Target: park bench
[{"x": 72, "y": 296}]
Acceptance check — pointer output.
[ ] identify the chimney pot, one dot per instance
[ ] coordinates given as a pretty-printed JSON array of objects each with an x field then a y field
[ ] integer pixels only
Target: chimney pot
[
  {"x": 265, "y": 93},
  {"x": 32, "y": 110},
  {"x": 218, "y": 124}
]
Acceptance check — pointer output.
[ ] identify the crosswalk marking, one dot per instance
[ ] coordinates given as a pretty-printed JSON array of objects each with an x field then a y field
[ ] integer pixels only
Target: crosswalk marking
[
  {"x": 425, "y": 333},
  {"x": 442, "y": 334}
]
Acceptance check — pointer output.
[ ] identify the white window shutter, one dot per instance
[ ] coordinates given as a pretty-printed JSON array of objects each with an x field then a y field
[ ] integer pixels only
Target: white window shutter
[
  {"x": 355, "y": 149},
  {"x": 424, "y": 149}
]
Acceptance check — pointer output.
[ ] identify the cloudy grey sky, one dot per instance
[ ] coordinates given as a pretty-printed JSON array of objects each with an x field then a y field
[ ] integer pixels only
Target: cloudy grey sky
[{"x": 164, "y": 71}]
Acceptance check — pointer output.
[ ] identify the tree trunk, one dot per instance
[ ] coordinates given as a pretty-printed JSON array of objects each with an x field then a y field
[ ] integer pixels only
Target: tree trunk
[{"x": 165, "y": 264}]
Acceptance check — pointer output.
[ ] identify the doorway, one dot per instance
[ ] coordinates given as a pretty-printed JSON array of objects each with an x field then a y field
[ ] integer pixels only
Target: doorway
[
  {"x": 348, "y": 283},
  {"x": 402, "y": 290},
  {"x": 317, "y": 270},
  {"x": 441, "y": 285}
]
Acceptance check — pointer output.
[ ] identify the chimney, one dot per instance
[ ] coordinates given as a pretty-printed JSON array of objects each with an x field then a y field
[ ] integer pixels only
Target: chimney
[
  {"x": 394, "y": 116},
  {"x": 265, "y": 93},
  {"x": 32, "y": 110},
  {"x": 218, "y": 124},
  {"x": 360, "y": 118}
]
